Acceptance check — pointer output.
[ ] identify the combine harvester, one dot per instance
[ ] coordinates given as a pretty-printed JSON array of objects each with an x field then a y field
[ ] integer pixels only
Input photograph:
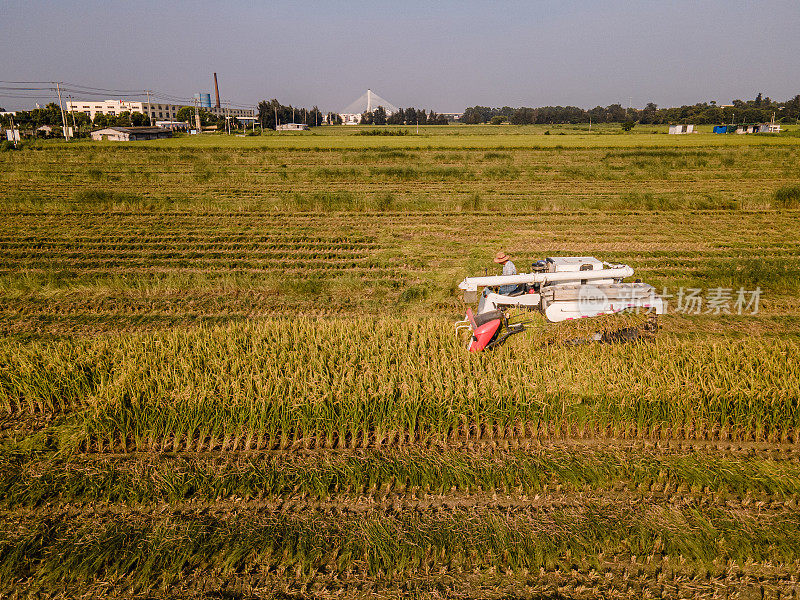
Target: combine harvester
[{"x": 561, "y": 288}]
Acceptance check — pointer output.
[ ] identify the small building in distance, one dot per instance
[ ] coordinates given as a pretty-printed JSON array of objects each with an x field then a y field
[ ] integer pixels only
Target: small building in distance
[
  {"x": 758, "y": 128},
  {"x": 292, "y": 127},
  {"x": 745, "y": 128},
  {"x": 131, "y": 134},
  {"x": 679, "y": 129}
]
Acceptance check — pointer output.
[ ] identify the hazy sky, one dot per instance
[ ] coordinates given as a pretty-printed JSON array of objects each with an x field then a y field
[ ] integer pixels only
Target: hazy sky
[{"x": 436, "y": 54}]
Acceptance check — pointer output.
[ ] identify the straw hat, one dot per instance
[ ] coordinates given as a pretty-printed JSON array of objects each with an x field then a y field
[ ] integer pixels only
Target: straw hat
[{"x": 500, "y": 258}]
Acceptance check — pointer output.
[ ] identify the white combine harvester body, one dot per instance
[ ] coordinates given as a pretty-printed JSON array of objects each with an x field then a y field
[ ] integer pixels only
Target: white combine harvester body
[{"x": 561, "y": 288}]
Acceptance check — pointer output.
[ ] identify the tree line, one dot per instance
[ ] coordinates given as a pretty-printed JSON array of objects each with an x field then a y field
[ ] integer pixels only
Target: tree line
[
  {"x": 272, "y": 113},
  {"x": 403, "y": 116},
  {"x": 758, "y": 110},
  {"x": 51, "y": 115}
]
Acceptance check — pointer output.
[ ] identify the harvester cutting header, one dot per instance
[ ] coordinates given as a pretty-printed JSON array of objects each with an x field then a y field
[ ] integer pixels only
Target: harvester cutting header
[{"x": 561, "y": 288}]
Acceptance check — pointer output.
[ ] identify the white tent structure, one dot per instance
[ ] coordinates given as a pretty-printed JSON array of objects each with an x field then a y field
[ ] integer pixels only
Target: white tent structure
[{"x": 366, "y": 103}]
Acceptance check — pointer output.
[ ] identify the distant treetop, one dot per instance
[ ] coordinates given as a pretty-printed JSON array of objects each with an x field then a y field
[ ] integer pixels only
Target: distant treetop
[{"x": 758, "y": 110}]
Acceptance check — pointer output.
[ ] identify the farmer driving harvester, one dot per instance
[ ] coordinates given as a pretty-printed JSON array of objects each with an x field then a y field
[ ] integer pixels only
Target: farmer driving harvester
[{"x": 508, "y": 269}]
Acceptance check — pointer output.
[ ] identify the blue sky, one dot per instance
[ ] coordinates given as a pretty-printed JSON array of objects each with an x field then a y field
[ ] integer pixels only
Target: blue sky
[{"x": 440, "y": 55}]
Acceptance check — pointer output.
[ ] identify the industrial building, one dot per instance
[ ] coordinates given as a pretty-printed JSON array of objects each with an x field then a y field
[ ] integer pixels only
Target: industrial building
[
  {"x": 203, "y": 100},
  {"x": 155, "y": 110},
  {"x": 131, "y": 134},
  {"x": 158, "y": 111}
]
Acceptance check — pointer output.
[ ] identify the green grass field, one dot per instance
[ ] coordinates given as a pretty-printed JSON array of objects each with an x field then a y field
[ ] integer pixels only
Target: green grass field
[{"x": 228, "y": 368}]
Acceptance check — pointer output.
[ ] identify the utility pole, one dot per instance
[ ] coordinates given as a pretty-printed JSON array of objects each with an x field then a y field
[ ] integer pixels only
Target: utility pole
[
  {"x": 197, "y": 118},
  {"x": 276, "y": 117},
  {"x": 13, "y": 132},
  {"x": 149, "y": 109},
  {"x": 63, "y": 116},
  {"x": 72, "y": 112}
]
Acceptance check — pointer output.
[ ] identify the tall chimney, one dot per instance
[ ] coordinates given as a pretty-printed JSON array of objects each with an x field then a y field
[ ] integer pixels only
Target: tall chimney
[{"x": 216, "y": 89}]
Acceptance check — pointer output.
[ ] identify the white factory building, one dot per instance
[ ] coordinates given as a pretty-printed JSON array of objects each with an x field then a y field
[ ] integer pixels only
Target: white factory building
[{"x": 156, "y": 111}]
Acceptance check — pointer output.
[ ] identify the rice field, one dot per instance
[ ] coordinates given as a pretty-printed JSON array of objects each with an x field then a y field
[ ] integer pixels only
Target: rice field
[{"x": 228, "y": 369}]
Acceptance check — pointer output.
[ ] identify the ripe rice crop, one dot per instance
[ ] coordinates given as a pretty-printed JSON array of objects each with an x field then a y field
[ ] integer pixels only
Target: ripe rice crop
[
  {"x": 326, "y": 173},
  {"x": 228, "y": 368},
  {"x": 368, "y": 382}
]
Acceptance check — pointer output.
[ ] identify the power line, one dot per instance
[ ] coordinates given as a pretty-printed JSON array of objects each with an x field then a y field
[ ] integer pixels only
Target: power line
[
  {"x": 34, "y": 96},
  {"x": 89, "y": 87},
  {"x": 16, "y": 89},
  {"x": 104, "y": 94},
  {"x": 29, "y": 89},
  {"x": 24, "y": 82}
]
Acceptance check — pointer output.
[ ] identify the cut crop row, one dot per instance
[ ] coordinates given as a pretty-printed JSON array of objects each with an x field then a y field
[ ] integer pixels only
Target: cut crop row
[
  {"x": 661, "y": 258},
  {"x": 57, "y": 549},
  {"x": 146, "y": 236},
  {"x": 370, "y": 274},
  {"x": 181, "y": 262},
  {"x": 164, "y": 253},
  {"x": 472, "y": 436},
  {"x": 407, "y": 477},
  {"x": 180, "y": 244}
]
